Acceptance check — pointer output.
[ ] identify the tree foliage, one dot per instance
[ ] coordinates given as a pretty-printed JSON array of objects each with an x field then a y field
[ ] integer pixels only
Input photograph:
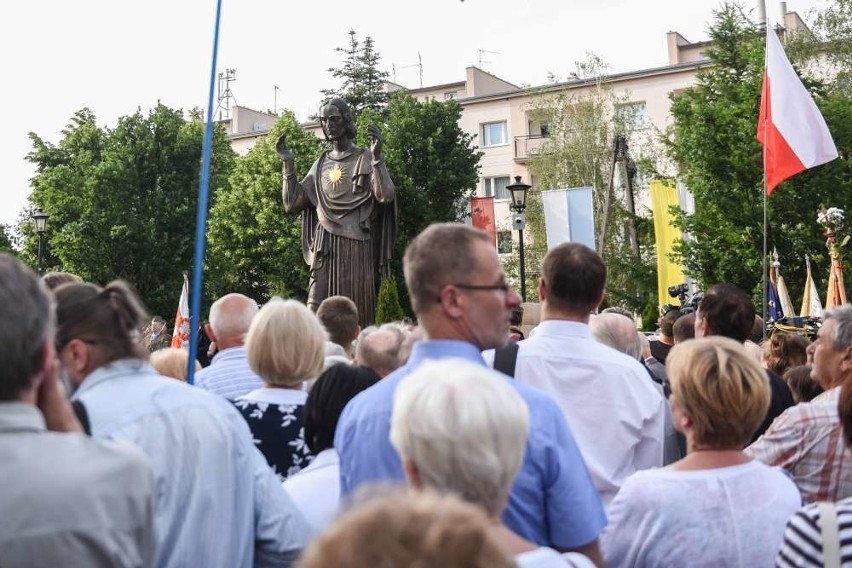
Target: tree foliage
[
  {"x": 122, "y": 200},
  {"x": 579, "y": 150},
  {"x": 254, "y": 247},
  {"x": 388, "y": 308},
  {"x": 362, "y": 82},
  {"x": 6, "y": 241},
  {"x": 713, "y": 142},
  {"x": 432, "y": 161}
]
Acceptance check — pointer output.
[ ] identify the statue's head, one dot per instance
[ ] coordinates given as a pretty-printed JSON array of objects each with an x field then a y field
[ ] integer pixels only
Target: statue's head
[{"x": 336, "y": 120}]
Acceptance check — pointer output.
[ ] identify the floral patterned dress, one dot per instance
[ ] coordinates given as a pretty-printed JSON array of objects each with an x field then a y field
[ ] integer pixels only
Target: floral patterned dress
[{"x": 276, "y": 418}]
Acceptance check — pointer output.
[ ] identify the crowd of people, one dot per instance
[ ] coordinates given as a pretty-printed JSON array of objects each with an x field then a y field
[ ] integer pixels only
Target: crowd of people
[{"x": 462, "y": 440}]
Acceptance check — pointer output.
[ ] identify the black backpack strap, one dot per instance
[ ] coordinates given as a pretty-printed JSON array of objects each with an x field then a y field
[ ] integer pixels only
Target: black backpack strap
[
  {"x": 82, "y": 416},
  {"x": 505, "y": 358}
]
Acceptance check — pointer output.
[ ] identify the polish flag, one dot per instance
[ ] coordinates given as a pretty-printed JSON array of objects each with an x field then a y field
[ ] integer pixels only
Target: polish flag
[
  {"x": 180, "y": 336},
  {"x": 792, "y": 130}
]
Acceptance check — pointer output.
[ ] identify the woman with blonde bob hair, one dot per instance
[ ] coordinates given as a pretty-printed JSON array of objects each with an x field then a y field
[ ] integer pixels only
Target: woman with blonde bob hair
[
  {"x": 460, "y": 428},
  {"x": 285, "y": 347},
  {"x": 716, "y": 506}
]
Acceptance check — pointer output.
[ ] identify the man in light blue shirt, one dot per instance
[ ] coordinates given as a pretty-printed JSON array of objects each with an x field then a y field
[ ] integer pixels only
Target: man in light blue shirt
[
  {"x": 459, "y": 293},
  {"x": 229, "y": 374}
]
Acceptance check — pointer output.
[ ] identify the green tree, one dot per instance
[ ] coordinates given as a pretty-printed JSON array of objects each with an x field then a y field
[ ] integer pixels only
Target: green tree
[
  {"x": 432, "y": 161},
  {"x": 122, "y": 200},
  {"x": 6, "y": 242},
  {"x": 363, "y": 83},
  {"x": 388, "y": 308},
  {"x": 713, "y": 143},
  {"x": 583, "y": 126},
  {"x": 254, "y": 247}
]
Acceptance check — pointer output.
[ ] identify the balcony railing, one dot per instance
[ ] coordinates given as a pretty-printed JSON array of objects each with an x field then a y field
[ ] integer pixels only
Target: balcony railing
[{"x": 526, "y": 146}]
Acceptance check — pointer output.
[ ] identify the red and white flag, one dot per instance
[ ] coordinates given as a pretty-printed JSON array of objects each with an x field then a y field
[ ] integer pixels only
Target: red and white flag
[
  {"x": 180, "y": 337},
  {"x": 791, "y": 128}
]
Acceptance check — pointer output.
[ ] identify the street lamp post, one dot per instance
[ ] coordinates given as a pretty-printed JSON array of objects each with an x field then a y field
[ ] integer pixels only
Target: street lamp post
[
  {"x": 519, "y": 203},
  {"x": 40, "y": 219}
]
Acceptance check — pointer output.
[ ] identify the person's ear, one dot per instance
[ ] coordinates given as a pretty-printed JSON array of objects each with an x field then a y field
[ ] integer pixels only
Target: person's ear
[
  {"x": 451, "y": 301},
  {"x": 412, "y": 475},
  {"x": 542, "y": 290},
  {"x": 208, "y": 329},
  {"x": 846, "y": 362},
  {"x": 79, "y": 358}
]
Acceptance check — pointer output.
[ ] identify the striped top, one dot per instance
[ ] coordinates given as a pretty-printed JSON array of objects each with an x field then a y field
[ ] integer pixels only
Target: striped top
[
  {"x": 229, "y": 374},
  {"x": 803, "y": 538}
]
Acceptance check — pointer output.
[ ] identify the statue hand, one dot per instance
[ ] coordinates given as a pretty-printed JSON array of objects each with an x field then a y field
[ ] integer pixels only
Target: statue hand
[
  {"x": 376, "y": 142},
  {"x": 281, "y": 148}
]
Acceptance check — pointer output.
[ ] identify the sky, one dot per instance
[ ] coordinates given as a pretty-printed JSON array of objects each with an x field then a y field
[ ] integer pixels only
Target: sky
[{"x": 115, "y": 57}]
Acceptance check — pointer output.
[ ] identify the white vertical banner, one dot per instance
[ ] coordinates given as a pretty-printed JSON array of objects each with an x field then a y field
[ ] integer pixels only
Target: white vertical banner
[{"x": 569, "y": 216}]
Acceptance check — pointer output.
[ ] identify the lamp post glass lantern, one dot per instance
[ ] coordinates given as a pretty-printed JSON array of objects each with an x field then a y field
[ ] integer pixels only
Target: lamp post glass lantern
[
  {"x": 39, "y": 218},
  {"x": 518, "y": 191}
]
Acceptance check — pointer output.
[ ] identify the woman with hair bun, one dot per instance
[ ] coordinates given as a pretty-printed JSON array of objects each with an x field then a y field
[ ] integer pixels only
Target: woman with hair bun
[{"x": 217, "y": 502}]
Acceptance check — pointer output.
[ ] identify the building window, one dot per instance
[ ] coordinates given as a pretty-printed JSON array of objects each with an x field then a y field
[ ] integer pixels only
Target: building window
[
  {"x": 496, "y": 187},
  {"x": 451, "y": 95},
  {"x": 494, "y": 134},
  {"x": 632, "y": 115},
  {"x": 504, "y": 242}
]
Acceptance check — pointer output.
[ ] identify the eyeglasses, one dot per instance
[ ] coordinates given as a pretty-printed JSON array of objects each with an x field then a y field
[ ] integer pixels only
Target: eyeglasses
[{"x": 502, "y": 286}]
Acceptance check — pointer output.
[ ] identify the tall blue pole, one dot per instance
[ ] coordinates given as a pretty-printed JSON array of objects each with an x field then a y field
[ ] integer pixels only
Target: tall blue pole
[{"x": 201, "y": 218}]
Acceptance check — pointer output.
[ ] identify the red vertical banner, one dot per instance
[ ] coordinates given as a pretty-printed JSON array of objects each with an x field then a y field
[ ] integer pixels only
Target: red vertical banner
[{"x": 482, "y": 216}]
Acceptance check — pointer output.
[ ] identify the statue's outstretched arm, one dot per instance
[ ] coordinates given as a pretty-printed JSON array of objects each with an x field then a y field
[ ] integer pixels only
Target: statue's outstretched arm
[{"x": 292, "y": 192}]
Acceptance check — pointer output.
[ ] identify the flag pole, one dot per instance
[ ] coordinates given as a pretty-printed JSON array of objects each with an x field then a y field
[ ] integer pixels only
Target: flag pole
[
  {"x": 203, "y": 196},
  {"x": 765, "y": 256}
]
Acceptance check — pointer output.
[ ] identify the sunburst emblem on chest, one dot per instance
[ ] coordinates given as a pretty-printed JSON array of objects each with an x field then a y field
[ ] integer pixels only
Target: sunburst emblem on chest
[{"x": 335, "y": 175}]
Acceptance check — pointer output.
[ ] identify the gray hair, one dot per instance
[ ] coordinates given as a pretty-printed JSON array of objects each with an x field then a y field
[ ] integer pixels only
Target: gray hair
[
  {"x": 618, "y": 332},
  {"x": 464, "y": 428},
  {"x": 378, "y": 348},
  {"x": 842, "y": 336},
  {"x": 231, "y": 315},
  {"x": 27, "y": 324}
]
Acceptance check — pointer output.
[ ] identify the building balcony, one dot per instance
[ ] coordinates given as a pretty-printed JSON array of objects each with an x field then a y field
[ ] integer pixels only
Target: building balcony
[{"x": 526, "y": 146}]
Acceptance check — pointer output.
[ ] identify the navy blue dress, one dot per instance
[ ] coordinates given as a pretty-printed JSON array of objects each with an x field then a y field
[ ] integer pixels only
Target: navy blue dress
[{"x": 279, "y": 433}]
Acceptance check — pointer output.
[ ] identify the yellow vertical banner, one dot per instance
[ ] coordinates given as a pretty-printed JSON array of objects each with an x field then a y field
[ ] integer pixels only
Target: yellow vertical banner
[{"x": 664, "y": 195}]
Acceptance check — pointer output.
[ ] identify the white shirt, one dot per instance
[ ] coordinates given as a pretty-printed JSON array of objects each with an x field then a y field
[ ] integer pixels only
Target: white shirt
[
  {"x": 274, "y": 395},
  {"x": 544, "y": 557},
  {"x": 316, "y": 489},
  {"x": 616, "y": 414},
  {"x": 730, "y": 516}
]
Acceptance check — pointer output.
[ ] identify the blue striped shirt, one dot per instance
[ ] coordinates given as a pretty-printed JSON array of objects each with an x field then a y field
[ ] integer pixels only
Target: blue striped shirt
[
  {"x": 229, "y": 374},
  {"x": 218, "y": 503}
]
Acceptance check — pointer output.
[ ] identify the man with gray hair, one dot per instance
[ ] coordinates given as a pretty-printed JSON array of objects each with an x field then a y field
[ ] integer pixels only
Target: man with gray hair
[
  {"x": 99, "y": 510},
  {"x": 615, "y": 412},
  {"x": 229, "y": 374},
  {"x": 464, "y": 304},
  {"x": 807, "y": 439},
  {"x": 620, "y": 333},
  {"x": 378, "y": 348}
]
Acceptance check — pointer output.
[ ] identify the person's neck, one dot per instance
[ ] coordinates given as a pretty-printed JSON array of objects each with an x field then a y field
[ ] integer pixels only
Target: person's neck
[
  {"x": 229, "y": 342},
  {"x": 548, "y": 313},
  {"x": 296, "y": 387},
  {"x": 710, "y": 458},
  {"x": 342, "y": 145},
  {"x": 665, "y": 339},
  {"x": 511, "y": 542}
]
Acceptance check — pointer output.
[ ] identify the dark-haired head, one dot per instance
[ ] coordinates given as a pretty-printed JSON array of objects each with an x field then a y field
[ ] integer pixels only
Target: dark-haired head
[
  {"x": 728, "y": 311},
  {"x": 334, "y": 388},
  {"x": 26, "y": 326},
  {"x": 350, "y": 128},
  {"x": 105, "y": 319}
]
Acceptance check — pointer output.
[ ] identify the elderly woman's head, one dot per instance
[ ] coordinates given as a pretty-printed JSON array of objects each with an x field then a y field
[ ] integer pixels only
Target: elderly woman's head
[
  {"x": 720, "y": 394},
  {"x": 460, "y": 428},
  {"x": 285, "y": 343}
]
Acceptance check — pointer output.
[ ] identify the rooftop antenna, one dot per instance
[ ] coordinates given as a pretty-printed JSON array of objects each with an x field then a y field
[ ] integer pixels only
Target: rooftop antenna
[
  {"x": 482, "y": 61},
  {"x": 225, "y": 94},
  {"x": 418, "y": 64},
  {"x": 275, "y": 107}
]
